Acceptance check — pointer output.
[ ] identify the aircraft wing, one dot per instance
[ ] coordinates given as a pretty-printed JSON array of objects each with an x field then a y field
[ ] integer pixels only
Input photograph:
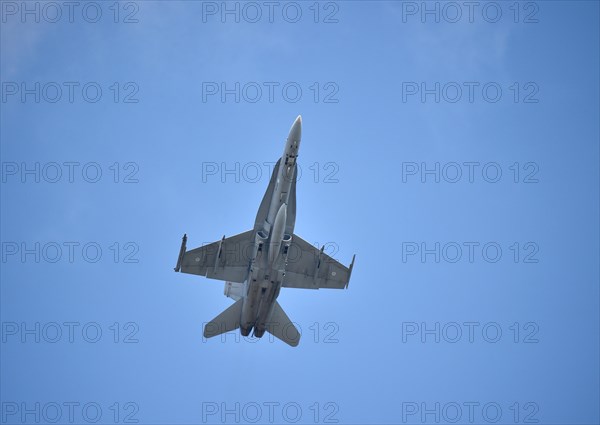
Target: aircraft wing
[
  {"x": 310, "y": 268},
  {"x": 227, "y": 259}
]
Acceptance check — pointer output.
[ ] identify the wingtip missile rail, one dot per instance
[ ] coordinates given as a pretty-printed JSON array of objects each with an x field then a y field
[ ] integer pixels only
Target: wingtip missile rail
[{"x": 181, "y": 252}]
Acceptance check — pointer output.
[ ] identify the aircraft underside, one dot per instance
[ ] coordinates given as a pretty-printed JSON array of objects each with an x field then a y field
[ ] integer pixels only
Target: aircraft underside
[{"x": 256, "y": 264}]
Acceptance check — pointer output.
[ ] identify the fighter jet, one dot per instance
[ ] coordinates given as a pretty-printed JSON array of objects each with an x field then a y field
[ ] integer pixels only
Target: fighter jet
[{"x": 256, "y": 264}]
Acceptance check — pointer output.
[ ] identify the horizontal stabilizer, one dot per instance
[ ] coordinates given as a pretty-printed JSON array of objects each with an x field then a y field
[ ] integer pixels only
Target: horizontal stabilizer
[
  {"x": 281, "y": 327},
  {"x": 227, "y": 321}
]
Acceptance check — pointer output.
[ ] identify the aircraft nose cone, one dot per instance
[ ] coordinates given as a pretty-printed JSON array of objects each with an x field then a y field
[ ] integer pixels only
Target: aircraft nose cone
[{"x": 296, "y": 130}]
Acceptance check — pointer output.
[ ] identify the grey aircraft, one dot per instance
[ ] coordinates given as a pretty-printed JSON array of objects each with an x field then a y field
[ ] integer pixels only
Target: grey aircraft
[{"x": 256, "y": 264}]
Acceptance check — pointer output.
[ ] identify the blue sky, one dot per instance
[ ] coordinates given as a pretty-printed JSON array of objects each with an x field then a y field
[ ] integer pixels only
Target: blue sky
[{"x": 385, "y": 350}]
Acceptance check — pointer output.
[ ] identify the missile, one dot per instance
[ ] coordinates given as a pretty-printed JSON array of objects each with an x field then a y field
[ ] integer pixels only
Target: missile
[
  {"x": 181, "y": 253},
  {"x": 277, "y": 233}
]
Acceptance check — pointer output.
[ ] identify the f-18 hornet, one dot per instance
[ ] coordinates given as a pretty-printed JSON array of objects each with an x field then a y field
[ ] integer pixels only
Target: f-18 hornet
[{"x": 256, "y": 264}]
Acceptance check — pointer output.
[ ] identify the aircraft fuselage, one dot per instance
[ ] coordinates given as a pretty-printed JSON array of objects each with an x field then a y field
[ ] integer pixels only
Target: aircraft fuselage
[{"x": 272, "y": 239}]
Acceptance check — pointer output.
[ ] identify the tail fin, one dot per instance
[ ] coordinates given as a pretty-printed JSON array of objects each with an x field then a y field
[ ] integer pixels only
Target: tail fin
[
  {"x": 228, "y": 320},
  {"x": 281, "y": 327}
]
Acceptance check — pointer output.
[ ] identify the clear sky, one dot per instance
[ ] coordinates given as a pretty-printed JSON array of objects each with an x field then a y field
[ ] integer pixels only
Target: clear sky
[{"x": 452, "y": 146}]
